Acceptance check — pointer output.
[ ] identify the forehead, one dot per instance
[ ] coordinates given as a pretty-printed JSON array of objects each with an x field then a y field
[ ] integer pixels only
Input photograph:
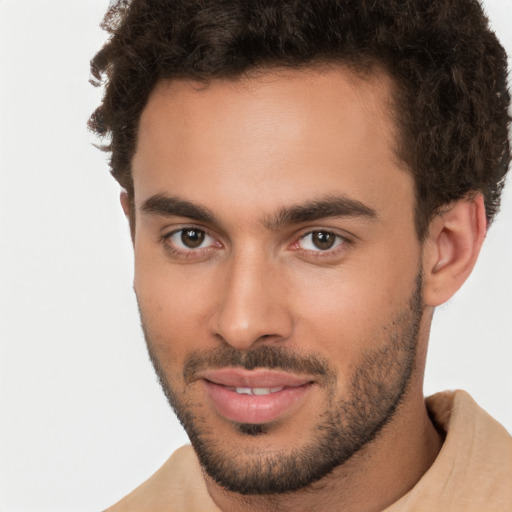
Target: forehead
[{"x": 264, "y": 140}]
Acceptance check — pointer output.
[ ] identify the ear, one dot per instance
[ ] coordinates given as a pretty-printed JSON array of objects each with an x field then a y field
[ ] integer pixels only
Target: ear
[
  {"x": 125, "y": 202},
  {"x": 451, "y": 249},
  {"x": 127, "y": 205}
]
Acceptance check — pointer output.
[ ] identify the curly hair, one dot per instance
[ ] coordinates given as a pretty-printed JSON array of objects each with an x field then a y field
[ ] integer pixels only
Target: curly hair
[{"x": 450, "y": 101}]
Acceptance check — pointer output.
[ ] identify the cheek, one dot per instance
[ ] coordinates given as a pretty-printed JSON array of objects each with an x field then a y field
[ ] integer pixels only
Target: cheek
[
  {"x": 348, "y": 311},
  {"x": 173, "y": 308},
  {"x": 340, "y": 320}
]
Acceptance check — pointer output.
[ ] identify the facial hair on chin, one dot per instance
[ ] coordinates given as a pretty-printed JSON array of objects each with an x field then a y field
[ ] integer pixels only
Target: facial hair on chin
[{"x": 348, "y": 423}]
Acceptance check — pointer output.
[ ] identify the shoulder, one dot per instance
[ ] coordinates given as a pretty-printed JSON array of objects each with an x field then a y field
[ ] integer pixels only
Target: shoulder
[
  {"x": 475, "y": 462},
  {"x": 464, "y": 421},
  {"x": 177, "y": 486},
  {"x": 473, "y": 470}
]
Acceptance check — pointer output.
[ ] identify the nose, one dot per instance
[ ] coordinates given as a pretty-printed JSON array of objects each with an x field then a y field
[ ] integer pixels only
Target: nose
[{"x": 252, "y": 305}]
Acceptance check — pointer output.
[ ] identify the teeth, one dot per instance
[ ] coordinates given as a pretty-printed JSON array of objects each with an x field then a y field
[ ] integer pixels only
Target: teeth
[
  {"x": 265, "y": 391},
  {"x": 258, "y": 391}
]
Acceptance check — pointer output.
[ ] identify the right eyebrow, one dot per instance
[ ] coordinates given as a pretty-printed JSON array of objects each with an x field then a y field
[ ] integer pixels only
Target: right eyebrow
[{"x": 166, "y": 206}]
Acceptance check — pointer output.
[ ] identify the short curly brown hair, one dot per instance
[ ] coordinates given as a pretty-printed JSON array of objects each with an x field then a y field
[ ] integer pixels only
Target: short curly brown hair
[{"x": 449, "y": 70}]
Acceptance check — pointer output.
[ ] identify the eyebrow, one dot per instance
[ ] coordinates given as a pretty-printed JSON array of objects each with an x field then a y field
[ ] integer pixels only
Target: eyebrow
[
  {"x": 166, "y": 206},
  {"x": 329, "y": 206}
]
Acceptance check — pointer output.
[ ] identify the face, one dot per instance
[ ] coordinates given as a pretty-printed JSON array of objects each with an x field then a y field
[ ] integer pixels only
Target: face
[{"x": 277, "y": 270}]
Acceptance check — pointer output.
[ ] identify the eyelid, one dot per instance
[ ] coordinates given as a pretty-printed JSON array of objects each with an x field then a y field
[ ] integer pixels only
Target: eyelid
[{"x": 177, "y": 227}]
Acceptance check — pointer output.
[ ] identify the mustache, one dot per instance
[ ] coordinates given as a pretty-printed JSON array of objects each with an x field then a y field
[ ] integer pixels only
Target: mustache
[{"x": 268, "y": 357}]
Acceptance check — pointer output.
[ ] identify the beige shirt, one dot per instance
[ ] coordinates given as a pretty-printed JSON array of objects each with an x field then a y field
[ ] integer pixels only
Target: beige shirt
[{"x": 472, "y": 473}]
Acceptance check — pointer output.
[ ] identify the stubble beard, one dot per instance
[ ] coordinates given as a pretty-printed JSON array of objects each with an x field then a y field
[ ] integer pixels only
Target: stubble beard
[{"x": 347, "y": 425}]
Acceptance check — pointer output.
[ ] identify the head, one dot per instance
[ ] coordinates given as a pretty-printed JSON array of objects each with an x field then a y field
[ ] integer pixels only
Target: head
[
  {"x": 303, "y": 181},
  {"x": 449, "y": 99}
]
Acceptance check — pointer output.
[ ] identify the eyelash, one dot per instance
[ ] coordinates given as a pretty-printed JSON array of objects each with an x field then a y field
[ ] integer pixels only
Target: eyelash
[{"x": 341, "y": 242}]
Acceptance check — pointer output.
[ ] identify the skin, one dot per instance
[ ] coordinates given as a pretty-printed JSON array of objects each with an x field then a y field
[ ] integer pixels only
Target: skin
[{"x": 245, "y": 150}]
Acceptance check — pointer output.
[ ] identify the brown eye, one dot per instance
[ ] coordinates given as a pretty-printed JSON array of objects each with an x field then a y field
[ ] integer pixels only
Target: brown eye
[
  {"x": 192, "y": 238},
  {"x": 323, "y": 240},
  {"x": 320, "y": 241},
  {"x": 190, "y": 243}
]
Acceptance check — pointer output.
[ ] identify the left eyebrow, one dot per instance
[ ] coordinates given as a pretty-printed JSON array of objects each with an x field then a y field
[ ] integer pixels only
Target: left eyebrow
[{"x": 330, "y": 206}]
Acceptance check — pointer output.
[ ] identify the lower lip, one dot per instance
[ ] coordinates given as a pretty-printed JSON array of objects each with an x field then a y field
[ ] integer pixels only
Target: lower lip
[{"x": 255, "y": 409}]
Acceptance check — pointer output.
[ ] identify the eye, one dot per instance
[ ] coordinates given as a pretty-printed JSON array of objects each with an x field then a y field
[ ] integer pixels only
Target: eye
[
  {"x": 189, "y": 239},
  {"x": 320, "y": 241}
]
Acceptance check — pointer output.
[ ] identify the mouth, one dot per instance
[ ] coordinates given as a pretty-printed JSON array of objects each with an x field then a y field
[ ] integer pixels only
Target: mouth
[{"x": 255, "y": 396}]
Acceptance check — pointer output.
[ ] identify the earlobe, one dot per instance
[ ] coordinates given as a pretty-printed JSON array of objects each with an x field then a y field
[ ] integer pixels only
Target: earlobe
[{"x": 451, "y": 249}]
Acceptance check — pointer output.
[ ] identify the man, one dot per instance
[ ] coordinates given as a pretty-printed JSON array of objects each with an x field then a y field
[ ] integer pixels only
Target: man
[{"x": 305, "y": 183}]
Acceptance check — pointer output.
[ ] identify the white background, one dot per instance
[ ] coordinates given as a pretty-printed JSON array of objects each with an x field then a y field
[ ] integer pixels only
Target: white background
[{"x": 82, "y": 419}]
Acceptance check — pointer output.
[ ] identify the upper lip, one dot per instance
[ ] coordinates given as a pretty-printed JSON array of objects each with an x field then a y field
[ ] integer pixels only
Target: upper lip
[{"x": 258, "y": 378}]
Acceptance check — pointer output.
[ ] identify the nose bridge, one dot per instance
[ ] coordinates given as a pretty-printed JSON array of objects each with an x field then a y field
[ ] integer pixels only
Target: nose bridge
[{"x": 252, "y": 302}]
